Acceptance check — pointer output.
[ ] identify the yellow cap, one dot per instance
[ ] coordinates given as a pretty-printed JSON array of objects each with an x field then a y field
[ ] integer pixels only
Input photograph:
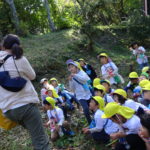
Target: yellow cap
[
  {"x": 107, "y": 81},
  {"x": 113, "y": 108},
  {"x": 100, "y": 101},
  {"x": 121, "y": 92},
  {"x": 145, "y": 69},
  {"x": 103, "y": 55},
  {"x": 81, "y": 59},
  {"x": 51, "y": 101},
  {"x": 78, "y": 65},
  {"x": 53, "y": 79},
  {"x": 133, "y": 75},
  {"x": 55, "y": 95},
  {"x": 100, "y": 87},
  {"x": 146, "y": 87},
  {"x": 96, "y": 82},
  {"x": 143, "y": 83}
]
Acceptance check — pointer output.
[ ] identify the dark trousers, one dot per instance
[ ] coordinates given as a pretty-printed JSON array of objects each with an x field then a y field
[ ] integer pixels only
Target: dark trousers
[
  {"x": 85, "y": 106},
  {"x": 30, "y": 118},
  {"x": 101, "y": 136},
  {"x": 134, "y": 143}
]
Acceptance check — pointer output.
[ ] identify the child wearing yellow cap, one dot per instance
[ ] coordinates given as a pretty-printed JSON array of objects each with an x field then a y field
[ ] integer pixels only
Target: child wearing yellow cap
[
  {"x": 109, "y": 70},
  {"x": 120, "y": 96},
  {"x": 129, "y": 126},
  {"x": 63, "y": 93},
  {"x": 134, "y": 81},
  {"x": 100, "y": 90},
  {"x": 99, "y": 128},
  {"x": 107, "y": 85},
  {"x": 56, "y": 119},
  {"x": 88, "y": 69},
  {"x": 45, "y": 86}
]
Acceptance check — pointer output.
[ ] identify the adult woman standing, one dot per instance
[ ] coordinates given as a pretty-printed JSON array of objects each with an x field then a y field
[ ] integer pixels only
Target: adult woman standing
[{"x": 21, "y": 106}]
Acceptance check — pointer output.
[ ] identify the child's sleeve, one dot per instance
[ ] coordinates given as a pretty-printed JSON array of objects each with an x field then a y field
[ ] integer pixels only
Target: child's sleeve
[
  {"x": 61, "y": 117},
  {"x": 71, "y": 85},
  {"x": 115, "y": 68},
  {"x": 109, "y": 99},
  {"x": 82, "y": 77},
  {"x": 99, "y": 125}
]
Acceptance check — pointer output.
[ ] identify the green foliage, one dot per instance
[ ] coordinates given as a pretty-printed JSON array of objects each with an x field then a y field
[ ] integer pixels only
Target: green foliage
[
  {"x": 139, "y": 26},
  {"x": 5, "y": 23},
  {"x": 63, "y": 14},
  {"x": 84, "y": 14}
]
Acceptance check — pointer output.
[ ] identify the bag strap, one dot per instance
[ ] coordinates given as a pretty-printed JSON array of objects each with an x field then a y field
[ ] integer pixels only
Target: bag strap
[
  {"x": 16, "y": 67},
  {"x": 56, "y": 115},
  {"x": 4, "y": 60},
  {"x": 105, "y": 123},
  {"x": 77, "y": 81},
  {"x": 106, "y": 98}
]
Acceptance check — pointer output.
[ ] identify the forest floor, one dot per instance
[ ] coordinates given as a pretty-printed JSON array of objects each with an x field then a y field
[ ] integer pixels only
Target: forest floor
[{"x": 48, "y": 54}]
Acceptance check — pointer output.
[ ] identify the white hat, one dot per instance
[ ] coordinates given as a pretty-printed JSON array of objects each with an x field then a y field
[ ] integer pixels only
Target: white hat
[{"x": 42, "y": 80}]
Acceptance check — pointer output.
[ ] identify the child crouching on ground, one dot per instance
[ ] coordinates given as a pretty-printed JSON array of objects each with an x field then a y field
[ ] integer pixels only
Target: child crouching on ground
[
  {"x": 100, "y": 129},
  {"x": 129, "y": 127},
  {"x": 58, "y": 126}
]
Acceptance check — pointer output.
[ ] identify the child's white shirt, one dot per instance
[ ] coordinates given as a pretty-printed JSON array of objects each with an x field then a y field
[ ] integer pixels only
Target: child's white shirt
[
  {"x": 132, "y": 126},
  {"x": 134, "y": 105},
  {"x": 77, "y": 88},
  {"x": 106, "y": 124},
  {"x": 99, "y": 122},
  {"x": 105, "y": 71},
  {"x": 56, "y": 113},
  {"x": 107, "y": 98}
]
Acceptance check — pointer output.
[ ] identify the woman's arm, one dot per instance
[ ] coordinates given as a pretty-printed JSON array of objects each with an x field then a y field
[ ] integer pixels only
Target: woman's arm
[{"x": 27, "y": 69}]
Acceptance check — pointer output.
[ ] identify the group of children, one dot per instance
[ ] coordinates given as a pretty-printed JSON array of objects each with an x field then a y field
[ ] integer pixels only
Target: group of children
[{"x": 117, "y": 117}]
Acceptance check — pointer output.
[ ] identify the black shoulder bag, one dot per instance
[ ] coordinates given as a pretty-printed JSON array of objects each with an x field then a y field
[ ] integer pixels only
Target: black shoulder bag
[{"x": 11, "y": 84}]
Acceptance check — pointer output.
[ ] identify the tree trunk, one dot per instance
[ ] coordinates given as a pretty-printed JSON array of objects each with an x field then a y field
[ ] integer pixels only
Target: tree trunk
[
  {"x": 15, "y": 18},
  {"x": 51, "y": 23}
]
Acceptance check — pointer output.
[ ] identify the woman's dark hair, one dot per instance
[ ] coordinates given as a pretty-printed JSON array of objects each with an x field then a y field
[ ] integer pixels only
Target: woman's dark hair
[
  {"x": 12, "y": 42},
  {"x": 145, "y": 121},
  {"x": 45, "y": 102},
  {"x": 121, "y": 99}
]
